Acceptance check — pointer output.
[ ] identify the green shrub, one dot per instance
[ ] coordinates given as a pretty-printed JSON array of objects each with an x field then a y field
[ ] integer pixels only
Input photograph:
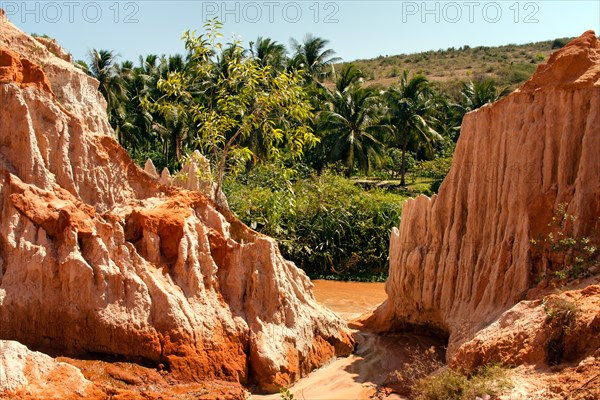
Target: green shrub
[
  {"x": 435, "y": 186},
  {"x": 452, "y": 384},
  {"x": 392, "y": 162},
  {"x": 566, "y": 254},
  {"x": 328, "y": 226},
  {"x": 436, "y": 169},
  {"x": 559, "y": 43},
  {"x": 285, "y": 394},
  {"x": 517, "y": 73}
]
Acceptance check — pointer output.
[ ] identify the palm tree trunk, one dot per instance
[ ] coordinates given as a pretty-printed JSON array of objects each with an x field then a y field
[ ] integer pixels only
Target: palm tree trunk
[
  {"x": 166, "y": 151},
  {"x": 403, "y": 169},
  {"x": 177, "y": 144},
  {"x": 219, "y": 199},
  {"x": 350, "y": 161}
]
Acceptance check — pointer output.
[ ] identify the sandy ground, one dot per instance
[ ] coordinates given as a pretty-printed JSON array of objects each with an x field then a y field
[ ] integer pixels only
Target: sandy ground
[{"x": 359, "y": 375}]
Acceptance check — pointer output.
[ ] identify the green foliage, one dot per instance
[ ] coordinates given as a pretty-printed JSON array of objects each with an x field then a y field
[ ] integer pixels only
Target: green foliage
[
  {"x": 313, "y": 58},
  {"x": 562, "y": 314},
  {"x": 324, "y": 223},
  {"x": 242, "y": 102},
  {"x": 285, "y": 394},
  {"x": 436, "y": 169},
  {"x": 392, "y": 162},
  {"x": 268, "y": 52},
  {"x": 351, "y": 122},
  {"x": 435, "y": 187},
  {"x": 425, "y": 377},
  {"x": 558, "y": 308},
  {"x": 478, "y": 93},
  {"x": 247, "y": 110},
  {"x": 411, "y": 116},
  {"x": 517, "y": 73},
  {"x": 560, "y": 42},
  {"x": 452, "y": 384},
  {"x": 420, "y": 365},
  {"x": 464, "y": 63},
  {"x": 567, "y": 255},
  {"x": 103, "y": 67}
]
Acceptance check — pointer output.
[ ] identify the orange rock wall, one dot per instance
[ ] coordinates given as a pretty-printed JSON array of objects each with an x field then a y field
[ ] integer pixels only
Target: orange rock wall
[
  {"x": 461, "y": 258},
  {"x": 97, "y": 256}
]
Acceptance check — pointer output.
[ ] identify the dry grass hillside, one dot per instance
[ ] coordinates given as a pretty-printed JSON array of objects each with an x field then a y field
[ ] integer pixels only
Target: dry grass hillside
[{"x": 508, "y": 65}]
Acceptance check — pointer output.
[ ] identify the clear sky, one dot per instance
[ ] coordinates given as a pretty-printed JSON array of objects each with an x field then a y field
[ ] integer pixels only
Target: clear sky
[{"x": 356, "y": 28}]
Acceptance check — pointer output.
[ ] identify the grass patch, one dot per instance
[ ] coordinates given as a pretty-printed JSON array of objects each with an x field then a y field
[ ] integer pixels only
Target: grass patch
[
  {"x": 425, "y": 377},
  {"x": 451, "y": 384}
]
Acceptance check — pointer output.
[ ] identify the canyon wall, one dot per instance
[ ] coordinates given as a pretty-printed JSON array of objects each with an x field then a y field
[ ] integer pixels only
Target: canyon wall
[
  {"x": 97, "y": 255},
  {"x": 462, "y": 257}
]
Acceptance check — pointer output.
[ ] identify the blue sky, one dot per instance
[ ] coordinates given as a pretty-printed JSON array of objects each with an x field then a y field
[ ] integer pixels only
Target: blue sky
[{"x": 356, "y": 29}]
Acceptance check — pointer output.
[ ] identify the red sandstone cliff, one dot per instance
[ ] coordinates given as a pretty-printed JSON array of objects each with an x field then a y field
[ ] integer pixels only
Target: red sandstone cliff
[
  {"x": 462, "y": 258},
  {"x": 97, "y": 256}
]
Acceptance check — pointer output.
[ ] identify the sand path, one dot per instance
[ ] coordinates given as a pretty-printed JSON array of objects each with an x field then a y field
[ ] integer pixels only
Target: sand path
[{"x": 359, "y": 375}]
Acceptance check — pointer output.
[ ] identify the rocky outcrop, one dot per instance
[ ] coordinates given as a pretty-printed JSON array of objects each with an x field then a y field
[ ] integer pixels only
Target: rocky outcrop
[
  {"x": 31, "y": 375},
  {"x": 98, "y": 256},
  {"x": 560, "y": 327},
  {"x": 26, "y": 374},
  {"x": 463, "y": 257},
  {"x": 195, "y": 175},
  {"x": 53, "y": 46}
]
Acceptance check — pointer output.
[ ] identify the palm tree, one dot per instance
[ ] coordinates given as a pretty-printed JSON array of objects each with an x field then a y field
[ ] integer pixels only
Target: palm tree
[
  {"x": 475, "y": 94},
  {"x": 352, "y": 122},
  {"x": 410, "y": 113},
  {"x": 268, "y": 52},
  {"x": 176, "y": 63},
  {"x": 175, "y": 128},
  {"x": 313, "y": 57},
  {"x": 103, "y": 67},
  {"x": 134, "y": 130}
]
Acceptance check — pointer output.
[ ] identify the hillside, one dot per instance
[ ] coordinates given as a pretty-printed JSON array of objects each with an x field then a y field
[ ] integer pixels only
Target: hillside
[{"x": 509, "y": 65}]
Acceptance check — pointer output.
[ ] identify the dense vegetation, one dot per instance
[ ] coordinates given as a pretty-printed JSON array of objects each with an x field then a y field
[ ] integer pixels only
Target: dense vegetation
[
  {"x": 305, "y": 150},
  {"x": 325, "y": 223}
]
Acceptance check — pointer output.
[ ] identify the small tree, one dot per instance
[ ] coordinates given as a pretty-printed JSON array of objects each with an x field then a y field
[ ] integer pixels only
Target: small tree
[
  {"x": 566, "y": 254},
  {"x": 233, "y": 98}
]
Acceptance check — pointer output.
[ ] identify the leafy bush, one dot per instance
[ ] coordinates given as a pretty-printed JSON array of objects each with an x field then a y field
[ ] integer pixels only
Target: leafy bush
[
  {"x": 559, "y": 43},
  {"x": 285, "y": 394},
  {"x": 424, "y": 377},
  {"x": 517, "y": 73},
  {"x": 420, "y": 365},
  {"x": 392, "y": 162},
  {"x": 324, "y": 223},
  {"x": 566, "y": 254},
  {"x": 436, "y": 169},
  {"x": 435, "y": 186},
  {"x": 452, "y": 384}
]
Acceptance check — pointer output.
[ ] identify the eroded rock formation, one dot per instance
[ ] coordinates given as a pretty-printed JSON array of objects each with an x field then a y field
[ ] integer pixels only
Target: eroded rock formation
[
  {"x": 195, "y": 175},
  {"x": 98, "y": 256},
  {"x": 461, "y": 258},
  {"x": 26, "y": 374}
]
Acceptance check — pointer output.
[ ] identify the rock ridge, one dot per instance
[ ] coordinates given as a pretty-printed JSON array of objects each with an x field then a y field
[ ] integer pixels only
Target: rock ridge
[
  {"x": 98, "y": 256},
  {"x": 462, "y": 258}
]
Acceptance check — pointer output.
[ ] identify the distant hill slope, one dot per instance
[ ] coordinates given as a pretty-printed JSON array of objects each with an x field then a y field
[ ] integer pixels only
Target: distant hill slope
[{"x": 509, "y": 65}]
